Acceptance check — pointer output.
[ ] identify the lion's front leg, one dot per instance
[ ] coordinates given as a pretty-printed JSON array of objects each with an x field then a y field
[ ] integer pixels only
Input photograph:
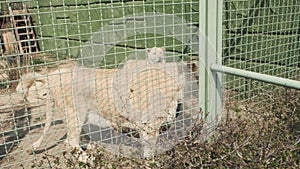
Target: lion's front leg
[
  {"x": 74, "y": 130},
  {"x": 49, "y": 114},
  {"x": 73, "y": 127}
]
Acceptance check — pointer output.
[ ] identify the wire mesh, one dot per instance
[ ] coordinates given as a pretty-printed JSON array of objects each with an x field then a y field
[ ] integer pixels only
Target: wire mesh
[
  {"x": 260, "y": 36},
  {"x": 111, "y": 40}
]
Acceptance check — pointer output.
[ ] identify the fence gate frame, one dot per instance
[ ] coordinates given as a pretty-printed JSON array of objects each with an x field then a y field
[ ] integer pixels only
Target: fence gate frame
[{"x": 211, "y": 68}]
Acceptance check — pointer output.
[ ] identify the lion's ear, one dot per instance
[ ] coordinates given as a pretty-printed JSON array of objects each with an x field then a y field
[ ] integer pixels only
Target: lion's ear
[
  {"x": 29, "y": 80},
  {"x": 148, "y": 50}
]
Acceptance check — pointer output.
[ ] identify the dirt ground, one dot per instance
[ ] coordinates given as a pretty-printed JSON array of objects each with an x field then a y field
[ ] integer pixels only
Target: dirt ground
[
  {"x": 19, "y": 134},
  {"x": 19, "y": 128}
]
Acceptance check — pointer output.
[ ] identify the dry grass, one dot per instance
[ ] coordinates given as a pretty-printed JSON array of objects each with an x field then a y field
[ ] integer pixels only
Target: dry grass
[
  {"x": 249, "y": 136},
  {"x": 262, "y": 133}
]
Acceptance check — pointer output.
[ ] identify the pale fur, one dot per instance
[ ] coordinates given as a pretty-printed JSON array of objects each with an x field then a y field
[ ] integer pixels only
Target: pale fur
[
  {"x": 32, "y": 86},
  {"x": 56, "y": 89},
  {"x": 156, "y": 55}
]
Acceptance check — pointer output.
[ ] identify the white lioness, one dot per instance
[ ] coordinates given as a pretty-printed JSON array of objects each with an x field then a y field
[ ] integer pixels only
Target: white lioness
[
  {"x": 156, "y": 55},
  {"x": 57, "y": 89}
]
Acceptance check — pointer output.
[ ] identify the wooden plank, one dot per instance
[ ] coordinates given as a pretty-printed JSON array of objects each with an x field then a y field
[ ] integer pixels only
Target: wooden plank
[{"x": 9, "y": 42}]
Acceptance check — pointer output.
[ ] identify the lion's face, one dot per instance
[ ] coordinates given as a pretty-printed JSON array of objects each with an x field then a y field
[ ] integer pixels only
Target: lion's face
[
  {"x": 37, "y": 92},
  {"x": 34, "y": 88}
]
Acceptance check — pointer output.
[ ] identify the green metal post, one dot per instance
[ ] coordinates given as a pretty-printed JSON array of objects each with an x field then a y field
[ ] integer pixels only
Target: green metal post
[{"x": 210, "y": 50}]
